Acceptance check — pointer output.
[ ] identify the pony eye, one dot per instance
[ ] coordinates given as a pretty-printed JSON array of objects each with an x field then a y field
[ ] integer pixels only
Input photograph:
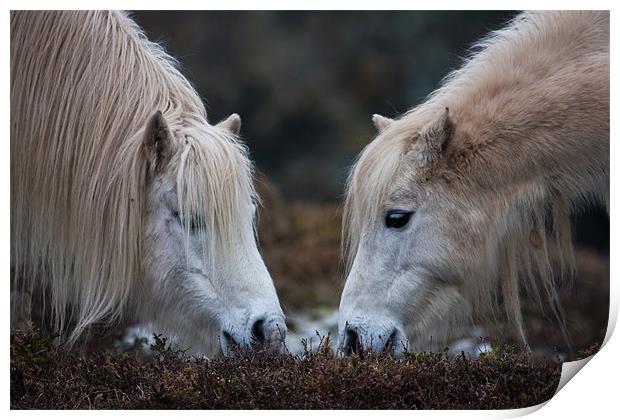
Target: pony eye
[
  {"x": 194, "y": 223},
  {"x": 396, "y": 219}
]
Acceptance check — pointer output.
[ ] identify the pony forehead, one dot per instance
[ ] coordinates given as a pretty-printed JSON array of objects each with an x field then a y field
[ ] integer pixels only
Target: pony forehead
[
  {"x": 379, "y": 164},
  {"x": 212, "y": 161},
  {"x": 203, "y": 148},
  {"x": 397, "y": 151},
  {"x": 215, "y": 184}
]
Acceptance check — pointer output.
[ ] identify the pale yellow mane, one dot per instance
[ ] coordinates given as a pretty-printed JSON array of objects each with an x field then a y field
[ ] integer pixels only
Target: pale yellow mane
[
  {"x": 508, "y": 100},
  {"x": 83, "y": 86}
]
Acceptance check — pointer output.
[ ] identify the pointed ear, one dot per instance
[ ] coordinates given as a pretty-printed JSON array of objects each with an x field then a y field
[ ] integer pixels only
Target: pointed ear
[
  {"x": 381, "y": 122},
  {"x": 158, "y": 141},
  {"x": 232, "y": 124},
  {"x": 435, "y": 135}
]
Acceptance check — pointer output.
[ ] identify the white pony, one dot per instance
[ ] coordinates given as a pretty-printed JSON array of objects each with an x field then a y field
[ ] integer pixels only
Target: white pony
[
  {"x": 453, "y": 210},
  {"x": 126, "y": 204}
]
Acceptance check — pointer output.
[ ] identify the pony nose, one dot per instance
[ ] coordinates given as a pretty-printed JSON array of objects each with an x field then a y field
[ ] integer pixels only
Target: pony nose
[
  {"x": 386, "y": 341},
  {"x": 351, "y": 342},
  {"x": 393, "y": 340},
  {"x": 258, "y": 332},
  {"x": 268, "y": 333},
  {"x": 263, "y": 332},
  {"x": 228, "y": 343}
]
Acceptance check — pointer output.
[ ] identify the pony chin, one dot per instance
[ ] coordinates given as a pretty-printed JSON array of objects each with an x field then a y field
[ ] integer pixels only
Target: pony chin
[
  {"x": 198, "y": 339},
  {"x": 444, "y": 317}
]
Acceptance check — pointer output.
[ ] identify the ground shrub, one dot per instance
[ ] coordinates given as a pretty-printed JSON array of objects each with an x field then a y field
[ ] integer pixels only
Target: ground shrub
[{"x": 44, "y": 377}]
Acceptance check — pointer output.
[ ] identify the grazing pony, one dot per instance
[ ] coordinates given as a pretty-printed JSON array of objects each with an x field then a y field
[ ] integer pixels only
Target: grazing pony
[
  {"x": 461, "y": 204},
  {"x": 126, "y": 204}
]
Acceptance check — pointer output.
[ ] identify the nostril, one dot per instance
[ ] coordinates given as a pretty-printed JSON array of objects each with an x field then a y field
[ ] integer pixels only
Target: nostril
[
  {"x": 229, "y": 344},
  {"x": 258, "y": 331},
  {"x": 351, "y": 341},
  {"x": 390, "y": 343}
]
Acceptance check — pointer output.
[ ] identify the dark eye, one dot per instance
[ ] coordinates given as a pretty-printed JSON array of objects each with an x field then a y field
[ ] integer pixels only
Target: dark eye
[
  {"x": 395, "y": 219},
  {"x": 194, "y": 223}
]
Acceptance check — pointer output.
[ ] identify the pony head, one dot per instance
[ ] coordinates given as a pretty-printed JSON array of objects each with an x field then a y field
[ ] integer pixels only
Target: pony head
[
  {"x": 404, "y": 275},
  {"x": 450, "y": 215},
  {"x": 202, "y": 270},
  {"x": 428, "y": 235},
  {"x": 123, "y": 213}
]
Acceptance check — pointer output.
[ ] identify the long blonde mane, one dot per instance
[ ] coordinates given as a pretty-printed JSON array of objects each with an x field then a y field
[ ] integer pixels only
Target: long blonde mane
[
  {"x": 83, "y": 86},
  {"x": 532, "y": 92}
]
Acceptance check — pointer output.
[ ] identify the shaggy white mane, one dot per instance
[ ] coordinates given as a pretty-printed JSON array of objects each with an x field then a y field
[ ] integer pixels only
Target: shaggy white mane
[
  {"x": 498, "y": 99},
  {"x": 83, "y": 86}
]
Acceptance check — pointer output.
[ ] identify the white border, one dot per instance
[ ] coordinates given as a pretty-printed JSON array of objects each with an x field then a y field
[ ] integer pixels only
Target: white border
[{"x": 593, "y": 393}]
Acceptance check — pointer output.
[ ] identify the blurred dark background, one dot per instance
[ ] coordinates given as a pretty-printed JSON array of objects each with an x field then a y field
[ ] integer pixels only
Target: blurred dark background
[{"x": 307, "y": 83}]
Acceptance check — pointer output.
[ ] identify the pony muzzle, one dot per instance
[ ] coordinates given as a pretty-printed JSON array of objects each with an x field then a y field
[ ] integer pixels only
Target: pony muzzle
[
  {"x": 261, "y": 333},
  {"x": 356, "y": 339}
]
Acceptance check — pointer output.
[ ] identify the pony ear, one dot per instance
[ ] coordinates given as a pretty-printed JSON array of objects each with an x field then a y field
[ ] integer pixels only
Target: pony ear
[
  {"x": 158, "y": 141},
  {"x": 232, "y": 124},
  {"x": 435, "y": 135},
  {"x": 381, "y": 122}
]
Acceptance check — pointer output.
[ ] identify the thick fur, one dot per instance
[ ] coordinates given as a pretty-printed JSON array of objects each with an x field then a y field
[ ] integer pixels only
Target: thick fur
[
  {"x": 528, "y": 144},
  {"x": 83, "y": 87}
]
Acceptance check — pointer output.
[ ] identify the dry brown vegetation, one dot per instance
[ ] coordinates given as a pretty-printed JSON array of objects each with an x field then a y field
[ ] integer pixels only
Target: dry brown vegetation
[{"x": 43, "y": 377}]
